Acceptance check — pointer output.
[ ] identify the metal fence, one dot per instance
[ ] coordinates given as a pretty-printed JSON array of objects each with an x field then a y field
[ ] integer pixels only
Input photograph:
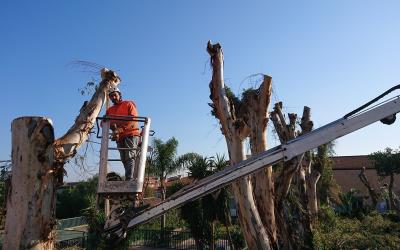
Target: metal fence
[
  {"x": 80, "y": 242},
  {"x": 70, "y": 222},
  {"x": 150, "y": 238},
  {"x": 170, "y": 239},
  {"x": 166, "y": 239}
]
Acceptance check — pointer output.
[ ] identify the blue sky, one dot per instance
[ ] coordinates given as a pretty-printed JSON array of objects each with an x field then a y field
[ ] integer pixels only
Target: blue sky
[{"x": 332, "y": 56}]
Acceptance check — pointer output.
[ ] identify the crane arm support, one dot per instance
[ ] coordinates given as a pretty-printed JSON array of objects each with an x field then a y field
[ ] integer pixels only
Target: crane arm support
[{"x": 285, "y": 152}]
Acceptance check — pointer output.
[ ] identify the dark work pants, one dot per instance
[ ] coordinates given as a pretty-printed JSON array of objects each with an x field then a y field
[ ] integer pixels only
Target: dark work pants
[{"x": 127, "y": 150}]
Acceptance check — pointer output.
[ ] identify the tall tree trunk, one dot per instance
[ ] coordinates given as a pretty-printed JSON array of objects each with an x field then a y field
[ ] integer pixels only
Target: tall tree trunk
[
  {"x": 288, "y": 235},
  {"x": 235, "y": 131},
  {"x": 371, "y": 191},
  {"x": 312, "y": 180},
  {"x": 38, "y": 163},
  {"x": 392, "y": 205},
  {"x": 31, "y": 205},
  {"x": 256, "y": 115}
]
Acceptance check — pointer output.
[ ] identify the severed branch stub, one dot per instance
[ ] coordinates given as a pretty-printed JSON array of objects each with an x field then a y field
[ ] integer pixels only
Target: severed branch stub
[{"x": 65, "y": 147}]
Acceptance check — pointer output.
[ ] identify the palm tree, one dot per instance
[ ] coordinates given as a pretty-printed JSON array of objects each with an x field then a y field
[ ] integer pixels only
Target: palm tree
[
  {"x": 202, "y": 215},
  {"x": 163, "y": 161}
]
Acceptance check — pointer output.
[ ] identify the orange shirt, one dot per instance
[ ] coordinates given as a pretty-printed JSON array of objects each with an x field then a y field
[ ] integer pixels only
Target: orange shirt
[{"x": 125, "y": 108}]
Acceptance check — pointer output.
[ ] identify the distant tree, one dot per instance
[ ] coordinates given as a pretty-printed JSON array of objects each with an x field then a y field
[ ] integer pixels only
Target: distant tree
[
  {"x": 71, "y": 201},
  {"x": 164, "y": 161},
  {"x": 323, "y": 164},
  {"x": 203, "y": 214},
  {"x": 387, "y": 164}
]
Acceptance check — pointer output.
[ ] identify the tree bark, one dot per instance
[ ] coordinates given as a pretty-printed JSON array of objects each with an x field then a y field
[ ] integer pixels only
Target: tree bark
[
  {"x": 66, "y": 146},
  {"x": 312, "y": 180},
  {"x": 391, "y": 199},
  {"x": 38, "y": 163},
  {"x": 371, "y": 191},
  {"x": 235, "y": 131},
  {"x": 287, "y": 131},
  {"x": 31, "y": 205},
  {"x": 256, "y": 116}
]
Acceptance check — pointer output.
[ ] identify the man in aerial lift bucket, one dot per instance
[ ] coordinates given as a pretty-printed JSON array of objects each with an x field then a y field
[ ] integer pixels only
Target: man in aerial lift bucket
[{"x": 124, "y": 133}]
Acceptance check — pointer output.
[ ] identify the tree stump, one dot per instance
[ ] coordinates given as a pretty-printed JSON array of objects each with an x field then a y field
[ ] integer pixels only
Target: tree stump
[{"x": 31, "y": 203}]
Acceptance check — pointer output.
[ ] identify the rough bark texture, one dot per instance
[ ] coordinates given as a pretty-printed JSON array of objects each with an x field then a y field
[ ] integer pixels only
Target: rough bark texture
[
  {"x": 285, "y": 133},
  {"x": 38, "y": 163},
  {"x": 312, "y": 179},
  {"x": 256, "y": 116},
  {"x": 66, "y": 146},
  {"x": 235, "y": 131},
  {"x": 312, "y": 175},
  {"x": 392, "y": 205},
  {"x": 372, "y": 193},
  {"x": 30, "y": 206},
  {"x": 290, "y": 231}
]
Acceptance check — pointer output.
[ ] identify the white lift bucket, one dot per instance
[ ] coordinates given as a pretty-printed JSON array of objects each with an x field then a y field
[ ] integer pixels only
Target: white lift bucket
[{"x": 135, "y": 185}]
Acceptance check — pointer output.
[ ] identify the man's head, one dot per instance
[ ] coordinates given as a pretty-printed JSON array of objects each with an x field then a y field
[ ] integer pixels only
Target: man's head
[{"x": 115, "y": 95}]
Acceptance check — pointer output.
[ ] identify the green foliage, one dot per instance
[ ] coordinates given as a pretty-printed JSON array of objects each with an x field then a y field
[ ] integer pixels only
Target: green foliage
[
  {"x": 352, "y": 204},
  {"x": 2, "y": 204},
  {"x": 164, "y": 160},
  {"x": 96, "y": 236},
  {"x": 71, "y": 201},
  {"x": 2, "y": 193},
  {"x": 387, "y": 162},
  {"x": 199, "y": 224},
  {"x": 323, "y": 164},
  {"x": 374, "y": 231},
  {"x": 237, "y": 238},
  {"x": 174, "y": 188},
  {"x": 173, "y": 221},
  {"x": 149, "y": 192},
  {"x": 201, "y": 215},
  {"x": 94, "y": 217}
]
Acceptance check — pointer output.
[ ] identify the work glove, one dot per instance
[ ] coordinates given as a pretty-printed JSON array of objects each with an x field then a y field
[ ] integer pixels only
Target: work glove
[{"x": 116, "y": 132}]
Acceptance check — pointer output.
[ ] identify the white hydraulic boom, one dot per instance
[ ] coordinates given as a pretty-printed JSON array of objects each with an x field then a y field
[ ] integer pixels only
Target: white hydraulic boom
[{"x": 349, "y": 123}]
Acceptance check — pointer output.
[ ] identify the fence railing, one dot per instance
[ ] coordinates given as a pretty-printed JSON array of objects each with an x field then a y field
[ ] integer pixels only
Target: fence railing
[
  {"x": 151, "y": 238},
  {"x": 70, "y": 222},
  {"x": 164, "y": 239},
  {"x": 80, "y": 242}
]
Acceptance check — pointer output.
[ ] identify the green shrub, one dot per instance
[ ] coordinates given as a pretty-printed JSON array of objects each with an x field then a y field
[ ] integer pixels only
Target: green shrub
[{"x": 373, "y": 231}]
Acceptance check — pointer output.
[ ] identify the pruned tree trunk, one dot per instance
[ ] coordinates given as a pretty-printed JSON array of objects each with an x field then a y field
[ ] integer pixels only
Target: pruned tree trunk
[
  {"x": 288, "y": 235},
  {"x": 312, "y": 175},
  {"x": 312, "y": 180},
  {"x": 285, "y": 133},
  {"x": 38, "y": 163},
  {"x": 235, "y": 131},
  {"x": 371, "y": 191},
  {"x": 392, "y": 205},
  {"x": 256, "y": 115},
  {"x": 31, "y": 205}
]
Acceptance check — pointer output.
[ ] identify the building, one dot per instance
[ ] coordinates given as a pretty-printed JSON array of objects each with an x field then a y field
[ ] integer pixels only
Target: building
[{"x": 346, "y": 170}]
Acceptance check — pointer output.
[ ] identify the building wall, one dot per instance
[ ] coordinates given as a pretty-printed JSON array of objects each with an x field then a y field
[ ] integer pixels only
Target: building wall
[{"x": 347, "y": 168}]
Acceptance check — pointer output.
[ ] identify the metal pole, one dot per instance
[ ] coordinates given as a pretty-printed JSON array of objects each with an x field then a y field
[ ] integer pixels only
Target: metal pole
[
  {"x": 143, "y": 154},
  {"x": 103, "y": 169}
]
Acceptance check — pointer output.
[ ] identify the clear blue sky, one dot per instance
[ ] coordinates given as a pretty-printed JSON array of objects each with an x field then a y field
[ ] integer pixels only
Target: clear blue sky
[{"x": 330, "y": 55}]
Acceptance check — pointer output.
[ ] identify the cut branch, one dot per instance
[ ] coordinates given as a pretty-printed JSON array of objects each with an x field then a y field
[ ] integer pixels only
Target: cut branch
[{"x": 66, "y": 146}]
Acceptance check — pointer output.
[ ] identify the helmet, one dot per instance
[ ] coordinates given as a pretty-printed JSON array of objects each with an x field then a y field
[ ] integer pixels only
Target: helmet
[{"x": 113, "y": 89}]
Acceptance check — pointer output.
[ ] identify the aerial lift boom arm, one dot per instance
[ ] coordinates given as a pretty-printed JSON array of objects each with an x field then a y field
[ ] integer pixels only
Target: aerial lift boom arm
[{"x": 343, "y": 126}]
